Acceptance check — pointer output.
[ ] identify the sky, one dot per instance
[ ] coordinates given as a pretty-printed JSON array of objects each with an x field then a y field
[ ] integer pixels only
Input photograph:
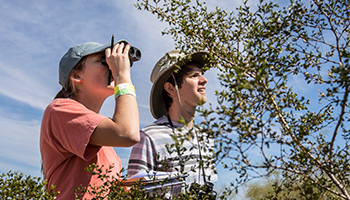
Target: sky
[{"x": 34, "y": 35}]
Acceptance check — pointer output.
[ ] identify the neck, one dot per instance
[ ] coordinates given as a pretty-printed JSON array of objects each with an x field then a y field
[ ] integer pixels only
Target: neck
[
  {"x": 90, "y": 101},
  {"x": 178, "y": 113}
]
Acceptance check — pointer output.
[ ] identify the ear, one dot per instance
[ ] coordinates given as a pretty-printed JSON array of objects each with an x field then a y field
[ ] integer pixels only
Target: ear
[
  {"x": 75, "y": 77},
  {"x": 169, "y": 88}
]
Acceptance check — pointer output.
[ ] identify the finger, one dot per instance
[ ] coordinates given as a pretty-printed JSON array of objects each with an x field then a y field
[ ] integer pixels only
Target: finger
[
  {"x": 126, "y": 50},
  {"x": 108, "y": 52},
  {"x": 115, "y": 48},
  {"x": 120, "y": 48}
]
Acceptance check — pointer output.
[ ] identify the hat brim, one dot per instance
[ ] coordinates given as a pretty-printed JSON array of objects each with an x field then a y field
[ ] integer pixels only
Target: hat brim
[
  {"x": 104, "y": 47},
  {"x": 72, "y": 58},
  {"x": 157, "y": 104}
]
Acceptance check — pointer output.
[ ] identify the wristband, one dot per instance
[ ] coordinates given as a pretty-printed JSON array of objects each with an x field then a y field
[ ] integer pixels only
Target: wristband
[{"x": 123, "y": 89}]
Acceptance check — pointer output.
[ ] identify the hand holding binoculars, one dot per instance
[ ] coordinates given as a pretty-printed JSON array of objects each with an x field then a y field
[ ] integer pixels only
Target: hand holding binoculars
[{"x": 134, "y": 54}]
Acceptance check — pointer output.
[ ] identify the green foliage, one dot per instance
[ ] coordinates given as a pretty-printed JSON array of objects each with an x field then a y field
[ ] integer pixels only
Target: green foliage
[
  {"x": 114, "y": 188},
  {"x": 111, "y": 188},
  {"x": 269, "y": 188},
  {"x": 15, "y": 185},
  {"x": 262, "y": 55}
]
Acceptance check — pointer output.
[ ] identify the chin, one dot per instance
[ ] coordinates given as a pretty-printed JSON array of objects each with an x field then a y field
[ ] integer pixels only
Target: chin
[{"x": 204, "y": 100}]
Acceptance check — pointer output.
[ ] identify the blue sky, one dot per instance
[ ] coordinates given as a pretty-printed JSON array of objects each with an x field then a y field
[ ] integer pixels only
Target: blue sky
[{"x": 33, "y": 37}]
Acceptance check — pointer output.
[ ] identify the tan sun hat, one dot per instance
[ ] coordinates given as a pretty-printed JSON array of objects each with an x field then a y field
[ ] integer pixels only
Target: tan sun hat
[{"x": 162, "y": 71}]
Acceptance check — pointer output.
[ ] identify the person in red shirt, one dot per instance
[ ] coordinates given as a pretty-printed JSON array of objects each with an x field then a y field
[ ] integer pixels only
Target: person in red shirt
[{"x": 73, "y": 133}]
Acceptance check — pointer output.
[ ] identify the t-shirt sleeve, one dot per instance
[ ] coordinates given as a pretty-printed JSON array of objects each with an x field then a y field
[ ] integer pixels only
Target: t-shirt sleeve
[
  {"x": 142, "y": 156},
  {"x": 72, "y": 126}
]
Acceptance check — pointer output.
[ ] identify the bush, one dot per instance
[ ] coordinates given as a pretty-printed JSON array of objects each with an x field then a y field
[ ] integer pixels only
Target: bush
[
  {"x": 113, "y": 189},
  {"x": 15, "y": 185}
]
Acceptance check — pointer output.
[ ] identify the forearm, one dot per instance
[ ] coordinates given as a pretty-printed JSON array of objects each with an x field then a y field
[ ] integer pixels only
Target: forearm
[
  {"x": 123, "y": 129},
  {"x": 126, "y": 116}
]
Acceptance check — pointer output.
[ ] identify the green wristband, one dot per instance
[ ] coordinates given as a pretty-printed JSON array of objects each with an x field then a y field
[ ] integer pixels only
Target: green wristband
[{"x": 123, "y": 89}]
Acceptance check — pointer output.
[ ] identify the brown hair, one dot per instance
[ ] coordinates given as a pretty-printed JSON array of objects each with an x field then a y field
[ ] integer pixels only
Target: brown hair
[
  {"x": 179, "y": 77},
  {"x": 71, "y": 90}
]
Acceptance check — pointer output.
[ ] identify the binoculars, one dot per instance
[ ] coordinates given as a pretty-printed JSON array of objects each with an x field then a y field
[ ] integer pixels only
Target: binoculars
[
  {"x": 134, "y": 55},
  {"x": 204, "y": 191}
]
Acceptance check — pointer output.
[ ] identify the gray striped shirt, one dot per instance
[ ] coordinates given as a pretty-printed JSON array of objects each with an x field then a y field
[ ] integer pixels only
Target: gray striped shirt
[{"x": 166, "y": 148}]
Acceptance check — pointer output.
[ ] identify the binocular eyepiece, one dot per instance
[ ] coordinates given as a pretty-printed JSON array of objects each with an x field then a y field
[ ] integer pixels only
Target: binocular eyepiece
[{"x": 134, "y": 54}]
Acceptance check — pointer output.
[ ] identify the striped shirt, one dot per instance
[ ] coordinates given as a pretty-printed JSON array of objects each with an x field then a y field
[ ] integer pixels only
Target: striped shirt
[{"x": 163, "y": 147}]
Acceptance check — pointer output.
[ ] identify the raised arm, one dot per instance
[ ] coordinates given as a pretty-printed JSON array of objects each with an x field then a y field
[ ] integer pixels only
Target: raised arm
[{"x": 123, "y": 129}]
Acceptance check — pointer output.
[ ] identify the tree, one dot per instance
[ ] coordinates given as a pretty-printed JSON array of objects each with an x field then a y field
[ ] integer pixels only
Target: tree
[
  {"x": 259, "y": 53},
  {"x": 15, "y": 185},
  {"x": 265, "y": 188}
]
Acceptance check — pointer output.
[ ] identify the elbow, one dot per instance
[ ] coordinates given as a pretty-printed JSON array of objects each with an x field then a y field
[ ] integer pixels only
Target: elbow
[{"x": 133, "y": 137}]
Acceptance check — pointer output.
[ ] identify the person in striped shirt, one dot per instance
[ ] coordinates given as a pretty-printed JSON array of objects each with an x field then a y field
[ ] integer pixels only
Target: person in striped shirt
[{"x": 172, "y": 143}]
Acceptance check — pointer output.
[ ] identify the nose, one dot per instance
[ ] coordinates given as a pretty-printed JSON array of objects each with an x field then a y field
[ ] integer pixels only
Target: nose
[{"x": 203, "y": 80}]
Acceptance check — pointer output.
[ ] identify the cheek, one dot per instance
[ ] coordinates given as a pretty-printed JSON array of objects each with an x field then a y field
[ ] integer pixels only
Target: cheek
[{"x": 99, "y": 75}]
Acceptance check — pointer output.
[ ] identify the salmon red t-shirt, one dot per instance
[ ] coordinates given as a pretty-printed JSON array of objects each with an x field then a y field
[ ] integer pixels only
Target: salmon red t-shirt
[{"x": 66, "y": 128}]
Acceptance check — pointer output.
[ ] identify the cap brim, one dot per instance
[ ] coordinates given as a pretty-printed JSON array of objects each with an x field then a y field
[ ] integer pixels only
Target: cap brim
[
  {"x": 157, "y": 105},
  {"x": 103, "y": 47}
]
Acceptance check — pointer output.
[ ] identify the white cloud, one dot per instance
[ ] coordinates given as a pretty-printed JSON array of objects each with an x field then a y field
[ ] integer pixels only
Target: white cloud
[
  {"x": 24, "y": 86},
  {"x": 20, "y": 146}
]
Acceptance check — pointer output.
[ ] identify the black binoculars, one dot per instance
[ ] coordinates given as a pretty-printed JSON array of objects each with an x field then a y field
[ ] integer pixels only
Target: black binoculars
[
  {"x": 134, "y": 55},
  {"x": 204, "y": 191}
]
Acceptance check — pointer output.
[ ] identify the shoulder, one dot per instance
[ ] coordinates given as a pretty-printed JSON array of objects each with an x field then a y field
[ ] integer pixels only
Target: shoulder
[
  {"x": 63, "y": 108},
  {"x": 67, "y": 105},
  {"x": 156, "y": 128}
]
